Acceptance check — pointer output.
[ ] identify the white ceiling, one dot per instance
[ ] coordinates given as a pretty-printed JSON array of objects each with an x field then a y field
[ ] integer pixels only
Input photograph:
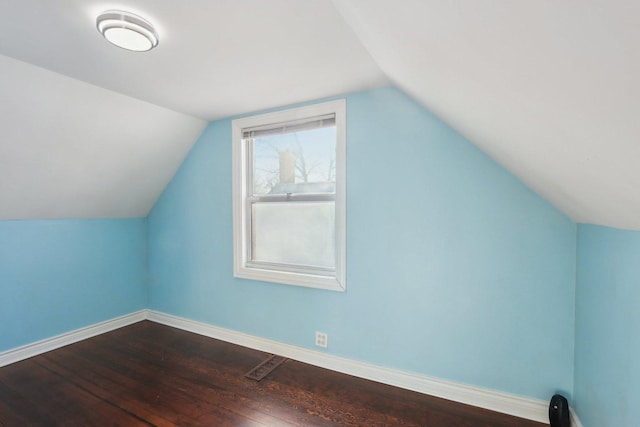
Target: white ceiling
[
  {"x": 216, "y": 58},
  {"x": 549, "y": 89},
  {"x": 69, "y": 149}
]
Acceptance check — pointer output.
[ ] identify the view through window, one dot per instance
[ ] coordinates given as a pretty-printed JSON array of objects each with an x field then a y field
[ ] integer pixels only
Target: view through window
[{"x": 289, "y": 196}]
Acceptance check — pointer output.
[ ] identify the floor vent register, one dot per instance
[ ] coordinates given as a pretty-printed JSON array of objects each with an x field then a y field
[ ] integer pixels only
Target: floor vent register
[{"x": 265, "y": 368}]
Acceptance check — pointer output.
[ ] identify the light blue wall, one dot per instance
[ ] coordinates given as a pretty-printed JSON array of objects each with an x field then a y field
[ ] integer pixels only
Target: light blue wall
[
  {"x": 61, "y": 275},
  {"x": 607, "y": 362},
  {"x": 455, "y": 269}
]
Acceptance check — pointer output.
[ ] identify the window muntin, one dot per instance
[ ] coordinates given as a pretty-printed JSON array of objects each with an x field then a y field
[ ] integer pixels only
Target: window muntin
[{"x": 289, "y": 222}]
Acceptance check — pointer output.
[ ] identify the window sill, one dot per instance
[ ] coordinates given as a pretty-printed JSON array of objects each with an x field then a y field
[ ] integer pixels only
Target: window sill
[{"x": 290, "y": 278}]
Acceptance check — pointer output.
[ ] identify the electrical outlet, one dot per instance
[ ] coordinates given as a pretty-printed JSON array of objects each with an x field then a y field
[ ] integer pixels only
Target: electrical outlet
[{"x": 322, "y": 339}]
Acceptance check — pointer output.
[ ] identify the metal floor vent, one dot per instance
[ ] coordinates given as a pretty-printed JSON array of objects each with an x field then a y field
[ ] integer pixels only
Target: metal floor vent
[{"x": 265, "y": 368}]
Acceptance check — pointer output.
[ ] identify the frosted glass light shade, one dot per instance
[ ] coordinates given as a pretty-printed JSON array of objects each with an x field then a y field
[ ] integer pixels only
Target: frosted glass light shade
[{"x": 127, "y": 30}]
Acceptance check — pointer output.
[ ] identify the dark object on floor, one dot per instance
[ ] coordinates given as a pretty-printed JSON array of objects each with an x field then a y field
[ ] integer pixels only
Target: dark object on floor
[
  {"x": 265, "y": 368},
  {"x": 559, "y": 411}
]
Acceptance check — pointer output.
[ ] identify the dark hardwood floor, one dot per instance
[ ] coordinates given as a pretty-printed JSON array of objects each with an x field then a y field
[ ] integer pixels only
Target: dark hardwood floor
[{"x": 153, "y": 375}]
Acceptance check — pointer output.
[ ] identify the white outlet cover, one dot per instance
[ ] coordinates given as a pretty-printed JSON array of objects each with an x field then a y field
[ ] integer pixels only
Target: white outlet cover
[{"x": 322, "y": 339}]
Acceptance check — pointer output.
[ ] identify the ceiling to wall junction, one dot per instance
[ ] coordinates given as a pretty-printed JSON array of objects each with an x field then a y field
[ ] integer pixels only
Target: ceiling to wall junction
[{"x": 548, "y": 89}]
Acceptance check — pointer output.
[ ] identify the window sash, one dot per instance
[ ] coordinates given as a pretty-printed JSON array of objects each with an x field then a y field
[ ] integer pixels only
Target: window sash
[
  {"x": 248, "y": 138},
  {"x": 242, "y": 176},
  {"x": 250, "y": 194},
  {"x": 279, "y": 199},
  {"x": 293, "y": 197}
]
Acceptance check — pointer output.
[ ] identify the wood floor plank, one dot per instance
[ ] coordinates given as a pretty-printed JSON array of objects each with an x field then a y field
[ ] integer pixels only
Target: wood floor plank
[
  {"x": 44, "y": 393},
  {"x": 175, "y": 388},
  {"x": 16, "y": 410},
  {"x": 148, "y": 374},
  {"x": 222, "y": 371},
  {"x": 101, "y": 384},
  {"x": 156, "y": 395}
]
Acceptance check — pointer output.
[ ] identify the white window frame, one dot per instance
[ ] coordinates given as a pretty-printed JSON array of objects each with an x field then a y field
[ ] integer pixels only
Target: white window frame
[{"x": 241, "y": 233}]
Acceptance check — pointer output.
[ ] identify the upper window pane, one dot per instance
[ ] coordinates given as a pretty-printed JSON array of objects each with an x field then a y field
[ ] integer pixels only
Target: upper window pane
[{"x": 302, "y": 161}]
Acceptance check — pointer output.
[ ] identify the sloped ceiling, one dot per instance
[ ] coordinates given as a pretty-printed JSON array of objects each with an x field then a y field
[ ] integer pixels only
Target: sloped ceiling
[
  {"x": 549, "y": 89},
  {"x": 69, "y": 149},
  {"x": 90, "y": 130}
]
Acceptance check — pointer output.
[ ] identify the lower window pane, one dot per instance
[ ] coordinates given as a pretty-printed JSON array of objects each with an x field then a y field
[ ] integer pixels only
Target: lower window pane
[{"x": 299, "y": 234}]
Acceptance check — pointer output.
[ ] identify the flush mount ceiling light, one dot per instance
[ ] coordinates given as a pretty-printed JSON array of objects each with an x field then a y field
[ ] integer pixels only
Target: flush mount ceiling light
[{"x": 127, "y": 30}]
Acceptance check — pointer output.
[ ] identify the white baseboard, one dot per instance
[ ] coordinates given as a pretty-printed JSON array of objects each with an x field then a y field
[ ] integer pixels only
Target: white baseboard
[
  {"x": 575, "y": 421},
  {"x": 21, "y": 353},
  {"x": 532, "y": 409},
  {"x": 523, "y": 407}
]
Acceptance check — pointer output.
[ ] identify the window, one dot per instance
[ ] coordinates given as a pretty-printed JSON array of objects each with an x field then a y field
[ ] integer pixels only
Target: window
[{"x": 289, "y": 196}]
